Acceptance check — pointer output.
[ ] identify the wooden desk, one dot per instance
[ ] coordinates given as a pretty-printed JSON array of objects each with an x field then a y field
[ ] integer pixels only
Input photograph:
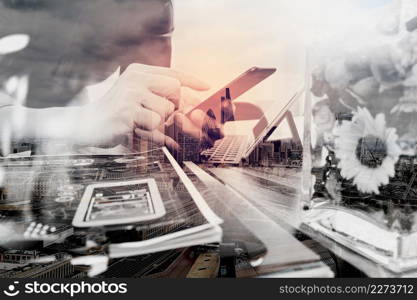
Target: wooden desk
[{"x": 286, "y": 257}]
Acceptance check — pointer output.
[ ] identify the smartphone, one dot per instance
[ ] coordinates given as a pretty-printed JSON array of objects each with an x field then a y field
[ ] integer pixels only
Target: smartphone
[{"x": 233, "y": 90}]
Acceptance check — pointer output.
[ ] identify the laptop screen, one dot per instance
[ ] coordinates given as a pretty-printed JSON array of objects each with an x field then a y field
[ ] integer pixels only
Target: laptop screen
[
  {"x": 259, "y": 127},
  {"x": 262, "y": 128}
]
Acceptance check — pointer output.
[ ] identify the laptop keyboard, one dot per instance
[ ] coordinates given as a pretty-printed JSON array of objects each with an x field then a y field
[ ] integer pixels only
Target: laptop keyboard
[{"x": 228, "y": 150}]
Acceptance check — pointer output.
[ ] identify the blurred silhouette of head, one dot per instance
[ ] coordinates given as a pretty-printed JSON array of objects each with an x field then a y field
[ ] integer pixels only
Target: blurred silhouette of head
[{"x": 76, "y": 42}]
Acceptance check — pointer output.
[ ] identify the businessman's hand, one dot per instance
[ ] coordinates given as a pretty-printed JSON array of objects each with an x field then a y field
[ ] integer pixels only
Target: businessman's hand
[
  {"x": 140, "y": 101},
  {"x": 198, "y": 124}
]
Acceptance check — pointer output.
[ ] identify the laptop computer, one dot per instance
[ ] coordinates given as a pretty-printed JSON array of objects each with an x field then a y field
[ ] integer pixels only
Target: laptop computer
[{"x": 233, "y": 148}]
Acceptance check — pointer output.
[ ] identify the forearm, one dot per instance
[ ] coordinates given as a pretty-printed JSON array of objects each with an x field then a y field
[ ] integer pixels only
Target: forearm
[{"x": 55, "y": 123}]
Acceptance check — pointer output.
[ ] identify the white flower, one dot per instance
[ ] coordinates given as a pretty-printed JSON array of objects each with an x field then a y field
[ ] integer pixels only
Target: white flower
[
  {"x": 408, "y": 102},
  {"x": 337, "y": 75},
  {"x": 372, "y": 167}
]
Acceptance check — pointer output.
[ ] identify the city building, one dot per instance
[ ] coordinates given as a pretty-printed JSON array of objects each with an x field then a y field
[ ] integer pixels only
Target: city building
[
  {"x": 60, "y": 268},
  {"x": 19, "y": 256}
]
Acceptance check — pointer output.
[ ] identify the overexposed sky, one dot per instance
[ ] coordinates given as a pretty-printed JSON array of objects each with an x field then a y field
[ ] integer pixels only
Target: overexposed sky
[{"x": 220, "y": 39}]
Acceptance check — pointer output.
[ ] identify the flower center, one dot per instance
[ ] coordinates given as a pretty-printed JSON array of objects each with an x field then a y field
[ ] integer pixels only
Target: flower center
[{"x": 371, "y": 151}]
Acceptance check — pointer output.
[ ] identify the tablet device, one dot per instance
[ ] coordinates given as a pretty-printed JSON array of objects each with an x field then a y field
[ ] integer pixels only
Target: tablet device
[
  {"x": 234, "y": 89},
  {"x": 115, "y": 203}
]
